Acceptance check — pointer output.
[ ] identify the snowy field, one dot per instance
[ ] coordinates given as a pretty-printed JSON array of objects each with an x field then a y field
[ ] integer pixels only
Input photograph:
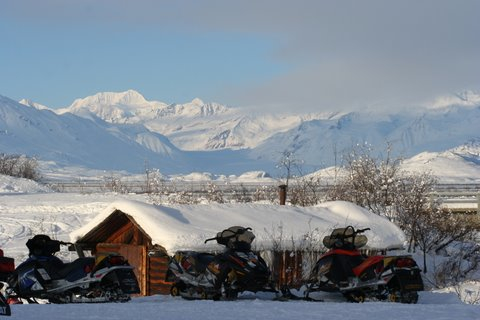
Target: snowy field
[
  {"x": 430, "y": 306},
  {"x": 27, "y": 209}
]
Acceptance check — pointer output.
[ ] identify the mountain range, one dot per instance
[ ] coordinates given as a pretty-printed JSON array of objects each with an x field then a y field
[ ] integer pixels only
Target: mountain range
[{"x": 124, "y": 131}]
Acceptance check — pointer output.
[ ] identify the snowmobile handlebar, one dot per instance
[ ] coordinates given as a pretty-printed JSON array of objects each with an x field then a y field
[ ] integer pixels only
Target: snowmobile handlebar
[
  {"x": 362, "y": 230},
  {"x": 353, "y": 234}
]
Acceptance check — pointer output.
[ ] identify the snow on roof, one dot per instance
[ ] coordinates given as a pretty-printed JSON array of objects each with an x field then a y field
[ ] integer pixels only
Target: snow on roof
[{"x": 185, "y": 227}]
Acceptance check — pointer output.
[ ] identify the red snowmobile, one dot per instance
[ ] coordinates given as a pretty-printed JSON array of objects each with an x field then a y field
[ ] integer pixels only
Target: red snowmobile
[
  {"x": 344, "y": 269},
  {"x": 7, "y": 266}
]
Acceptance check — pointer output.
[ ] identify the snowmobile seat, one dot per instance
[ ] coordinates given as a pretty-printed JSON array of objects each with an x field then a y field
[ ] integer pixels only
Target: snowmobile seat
[
  {"x": 370, "y": 261},
  {"x": 343, "y": 264},
  {"x": 50, "y": 263},
  {"x": 76, "y": 269},
  {"x": 202, "y": 260}
]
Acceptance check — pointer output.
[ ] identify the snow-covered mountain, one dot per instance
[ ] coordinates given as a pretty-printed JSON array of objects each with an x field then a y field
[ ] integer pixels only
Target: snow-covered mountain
[
  {"x": 190, "y": 126},
  {"x": 447, "y": 123},
  {"x": 69, "y": 139},
  {"x": 124, "y": 131},
  {"x": 324, "y": 142},
  {"x": 457, "y": 164},
  {"x": 31, "y": 103}
]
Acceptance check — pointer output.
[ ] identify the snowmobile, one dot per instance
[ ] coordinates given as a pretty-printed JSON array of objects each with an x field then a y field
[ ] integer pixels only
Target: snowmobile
[
  {"x": 7, "y": 266},
  {"x": 45, "y": 276},
  {"x": 344, "y": 269},
  {"x": 199, "y": 275}
]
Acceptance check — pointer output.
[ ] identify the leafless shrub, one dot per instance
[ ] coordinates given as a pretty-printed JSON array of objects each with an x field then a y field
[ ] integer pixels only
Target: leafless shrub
[
  {"x": 437, "y": 231},
  {"x": 266, "y": 193},
  {"x": 370, "y": 181},
  {"x": 292, "y": 257},
  {"x": 213, "y": 193},
  {"x": 183, "y": 197},
  {"x": 154, "y": 182},
  {"x": 412, "y": 205},
  {"x": 306, "y": 191},
  {"x": 241, "y": 194},
  {"x": 312, "y": 247},
  {"x": 468, "y": 295},
  {"x": 288, "y": 165},
  {"x": 459, "y": 266},
  {"x": 115, "y": 184},
  {"x": 19, "y": 166}
]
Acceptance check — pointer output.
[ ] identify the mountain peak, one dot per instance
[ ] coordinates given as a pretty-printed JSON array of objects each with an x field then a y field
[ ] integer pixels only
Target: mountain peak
[
  {"x": 197, "y": 102},
  {"x": 30, "y": 103},
  {"x": 129, "y": 97}
]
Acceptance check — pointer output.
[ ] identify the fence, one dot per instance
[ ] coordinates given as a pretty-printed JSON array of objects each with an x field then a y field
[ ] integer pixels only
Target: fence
[
  {"x": 455, "y": 197},
  {"x": 458, "y": 201}
]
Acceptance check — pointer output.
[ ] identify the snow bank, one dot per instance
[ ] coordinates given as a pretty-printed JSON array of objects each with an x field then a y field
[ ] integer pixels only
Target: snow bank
[
  {"x": 19, "y": 185},
  {"x": 180, "y": 227}
]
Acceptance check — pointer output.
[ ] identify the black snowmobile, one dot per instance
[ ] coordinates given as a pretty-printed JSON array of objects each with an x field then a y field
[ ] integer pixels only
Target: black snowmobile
[
  {"x": 344, "y": 269},
  {"x": 45, "y": 276},
  {"x": 198, "y": 275}
]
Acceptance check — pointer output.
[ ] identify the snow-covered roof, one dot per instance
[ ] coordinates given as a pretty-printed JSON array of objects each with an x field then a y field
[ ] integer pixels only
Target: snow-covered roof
[{"x": 181, "y": 227}]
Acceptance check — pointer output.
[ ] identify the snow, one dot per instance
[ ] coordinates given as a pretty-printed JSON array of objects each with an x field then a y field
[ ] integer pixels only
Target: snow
[
  {"x": 31, "y": 209},
  {"x": 125, "y": 131},
  {"x": 449, "y": 166},
  {"x": 178, "y": 227},
  {"x": 19, "y": 185},
  {"x": 430, "y": 306}
]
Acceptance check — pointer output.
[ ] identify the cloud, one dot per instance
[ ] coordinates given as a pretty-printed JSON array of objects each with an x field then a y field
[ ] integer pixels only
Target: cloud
[
  {"x": 340, "y": 54},
  {"x": 352, "y": 54}
]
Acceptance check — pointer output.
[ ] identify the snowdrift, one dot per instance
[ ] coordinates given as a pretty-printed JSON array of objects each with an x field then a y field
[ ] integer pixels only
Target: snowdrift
[{"x": 180, "y": 227}]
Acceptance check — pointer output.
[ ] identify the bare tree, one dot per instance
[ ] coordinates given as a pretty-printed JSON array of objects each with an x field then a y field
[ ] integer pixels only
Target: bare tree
[
  {"x": 240, "y": 194},
  {"x": 370, "y": 182},
  {"x": 412, "y": 204},
  {"x": 115, "y": 184},
  {"x": 266, "y": 193},
  {"x": 19, "y": 166},
  {"x": 435, "y": 230},
  {"x": 379, "y": 185},
  {"x": 306, "y": 191},
  {"x": 287, "y": 164},
  {"x": 213, "y": 193}
]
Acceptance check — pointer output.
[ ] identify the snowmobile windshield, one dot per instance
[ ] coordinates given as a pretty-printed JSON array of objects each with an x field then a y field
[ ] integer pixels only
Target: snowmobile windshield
[
  {"x": 229, "y": 237},
  {"x": 346, "y": 238},
  {"x": 42, "y": 245}
]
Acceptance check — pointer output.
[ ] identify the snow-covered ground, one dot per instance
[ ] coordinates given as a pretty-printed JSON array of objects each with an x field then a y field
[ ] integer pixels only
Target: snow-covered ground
[
  {"x": 27, "y": 208},
  {"x": 430, "y": 306}
]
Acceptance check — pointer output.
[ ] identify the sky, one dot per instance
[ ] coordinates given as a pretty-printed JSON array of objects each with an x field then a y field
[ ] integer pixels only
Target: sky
[{"x": 272, "y": 55}]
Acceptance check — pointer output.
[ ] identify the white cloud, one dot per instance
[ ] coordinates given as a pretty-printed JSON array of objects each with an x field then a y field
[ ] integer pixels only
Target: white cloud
[{"x": 338, "y": 54}]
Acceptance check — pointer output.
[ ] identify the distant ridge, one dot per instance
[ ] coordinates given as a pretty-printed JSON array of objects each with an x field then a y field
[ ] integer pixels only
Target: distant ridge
[{"x": 124, "y": 130}]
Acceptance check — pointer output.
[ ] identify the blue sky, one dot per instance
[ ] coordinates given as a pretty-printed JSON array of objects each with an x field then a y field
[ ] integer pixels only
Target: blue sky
[{"x": 269, "y": 54}]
